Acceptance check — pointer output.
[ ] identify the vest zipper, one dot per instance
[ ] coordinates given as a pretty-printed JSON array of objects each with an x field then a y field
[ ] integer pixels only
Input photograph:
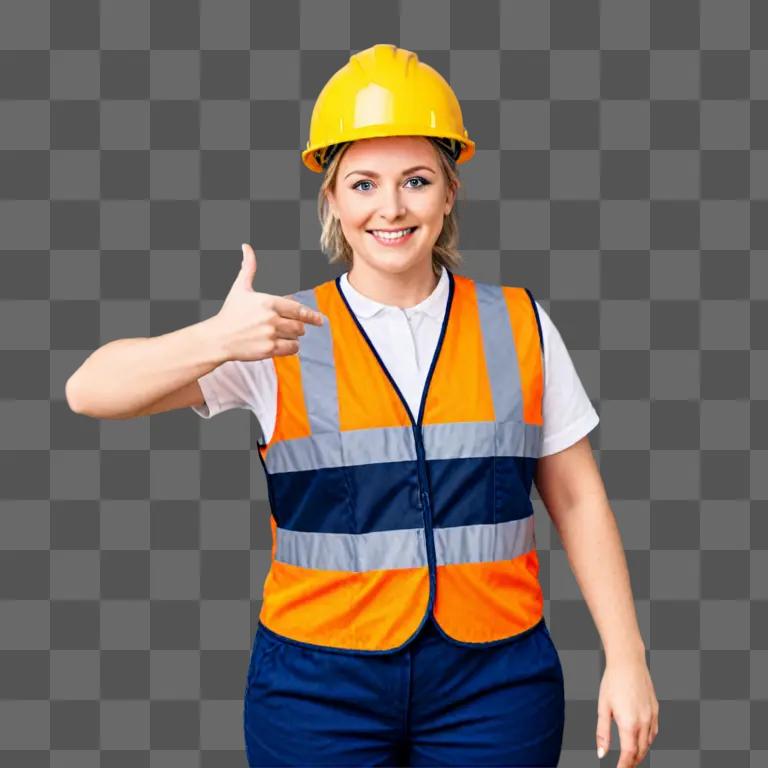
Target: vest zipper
[
  {"x": 427, "y": 516},
  {"x": 430, "y": 537},
  {"x": 421, "y": 460}
]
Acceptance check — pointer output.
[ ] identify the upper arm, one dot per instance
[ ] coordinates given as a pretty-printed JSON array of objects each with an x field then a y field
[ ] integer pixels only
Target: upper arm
[
  {"x": 566, "y": 473},
  {"x": 565, "y": 478},
  {"x": 184, "y": 397}
]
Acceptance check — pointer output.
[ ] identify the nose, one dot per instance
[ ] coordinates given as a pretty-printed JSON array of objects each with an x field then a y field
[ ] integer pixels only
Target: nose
[{"x": 392, "y": 207}]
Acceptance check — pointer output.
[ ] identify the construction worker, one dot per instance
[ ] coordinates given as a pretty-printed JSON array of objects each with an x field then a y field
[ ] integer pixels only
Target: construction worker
[
  {"x": 405, "y": 412},
  {"x": 402, "y": 619}
]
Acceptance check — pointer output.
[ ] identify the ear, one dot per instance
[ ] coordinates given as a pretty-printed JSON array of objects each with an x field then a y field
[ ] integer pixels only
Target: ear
[
  {"x": 331, "y": 203},
  {"x": 450, "y": 199}
]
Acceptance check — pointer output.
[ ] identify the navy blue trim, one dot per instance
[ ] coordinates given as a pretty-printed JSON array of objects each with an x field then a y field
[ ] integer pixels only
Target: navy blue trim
[
  {"x": 538, "y": 321},
  {"x": 264, "y": 629}
]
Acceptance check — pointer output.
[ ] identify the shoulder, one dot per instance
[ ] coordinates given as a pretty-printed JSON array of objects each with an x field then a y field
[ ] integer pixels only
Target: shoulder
[{"x": 309, "y": 295}]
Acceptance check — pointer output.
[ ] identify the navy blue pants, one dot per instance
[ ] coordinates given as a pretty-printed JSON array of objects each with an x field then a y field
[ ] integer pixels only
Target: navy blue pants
[{"x": 431, "y": 703}]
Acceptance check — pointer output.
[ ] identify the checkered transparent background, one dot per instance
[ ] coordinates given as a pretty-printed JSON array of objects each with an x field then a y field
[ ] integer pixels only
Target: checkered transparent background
[{"x": 621, "y": 174}]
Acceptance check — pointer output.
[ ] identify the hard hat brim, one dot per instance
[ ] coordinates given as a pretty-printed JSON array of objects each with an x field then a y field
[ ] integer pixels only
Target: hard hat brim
[{"x": 311, "y": 162}]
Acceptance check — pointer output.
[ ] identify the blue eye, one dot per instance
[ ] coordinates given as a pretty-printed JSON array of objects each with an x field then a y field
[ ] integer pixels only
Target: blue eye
[{"x": 413, "y": 178}]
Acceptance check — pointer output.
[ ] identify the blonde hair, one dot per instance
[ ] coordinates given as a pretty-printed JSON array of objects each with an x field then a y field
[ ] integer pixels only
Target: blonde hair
[{"x": 333, "y": 243}]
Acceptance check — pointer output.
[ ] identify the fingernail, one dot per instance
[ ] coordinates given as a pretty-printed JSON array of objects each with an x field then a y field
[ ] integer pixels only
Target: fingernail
[{"x": 600, "y": 753}]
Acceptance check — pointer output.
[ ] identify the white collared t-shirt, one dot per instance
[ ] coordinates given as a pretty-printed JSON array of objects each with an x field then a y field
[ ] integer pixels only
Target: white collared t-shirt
[{"x": 406, "y": 339}]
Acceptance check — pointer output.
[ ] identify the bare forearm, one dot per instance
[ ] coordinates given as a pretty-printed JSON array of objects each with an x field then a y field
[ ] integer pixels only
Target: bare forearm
[
  {"x": 124, "y": 376},
  {"x": 592, "y": 542}
]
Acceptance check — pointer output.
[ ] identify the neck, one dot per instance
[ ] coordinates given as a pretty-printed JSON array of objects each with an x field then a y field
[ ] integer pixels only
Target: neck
[{"x": 400, "y": 289}]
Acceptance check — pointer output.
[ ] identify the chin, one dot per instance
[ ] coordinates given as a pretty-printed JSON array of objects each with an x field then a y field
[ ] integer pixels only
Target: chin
[
  {"x": 392, "y": 260},
  {"x": 394, "y": 264}
]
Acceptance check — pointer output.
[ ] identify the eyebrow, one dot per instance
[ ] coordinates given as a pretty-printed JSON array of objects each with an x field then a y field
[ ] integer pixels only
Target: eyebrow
[{"x": 406, "y": 171}]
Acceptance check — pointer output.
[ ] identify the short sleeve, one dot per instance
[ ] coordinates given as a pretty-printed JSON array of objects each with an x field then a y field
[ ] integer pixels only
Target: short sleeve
[
  {"x": 567, "y": 411},
  {"x": 250, "y": 384}
]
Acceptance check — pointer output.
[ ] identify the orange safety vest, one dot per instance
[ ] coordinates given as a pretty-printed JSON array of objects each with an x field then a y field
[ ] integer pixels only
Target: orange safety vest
[{"x": 379, "y": 519}]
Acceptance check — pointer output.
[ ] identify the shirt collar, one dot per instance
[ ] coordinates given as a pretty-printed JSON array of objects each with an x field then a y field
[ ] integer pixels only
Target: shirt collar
[{"x": 433, "y": 305}]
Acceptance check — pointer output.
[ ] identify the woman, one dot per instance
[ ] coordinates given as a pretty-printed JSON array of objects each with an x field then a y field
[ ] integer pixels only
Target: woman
[
  {"x": 465, "y": 672},
  {"x": 402, "y": 620}
]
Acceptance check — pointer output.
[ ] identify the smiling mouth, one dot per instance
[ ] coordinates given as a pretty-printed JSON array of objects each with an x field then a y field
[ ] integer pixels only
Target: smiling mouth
[{"x": 410, "y": 230}]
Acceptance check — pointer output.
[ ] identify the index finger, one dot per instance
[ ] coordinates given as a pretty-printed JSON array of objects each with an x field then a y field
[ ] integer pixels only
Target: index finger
[{"x": 295, "y": 310}]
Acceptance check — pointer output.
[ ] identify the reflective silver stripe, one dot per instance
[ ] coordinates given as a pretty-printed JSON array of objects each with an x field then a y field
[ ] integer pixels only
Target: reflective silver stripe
[
  {"x": 500, "y": 353},
  {"x": 378, "y": 550},
  {"x": 484, "y": 542},
  {"x": 318, "y": 373},
  {"x": 405, "y": 548},
  {"x": 454, "y": 440},
  {"x": 313, "y": 452},
  {"x": 475, "y": 439},
  {"x": 342, "y": 449},
  {"x": 458, "y": 439}
]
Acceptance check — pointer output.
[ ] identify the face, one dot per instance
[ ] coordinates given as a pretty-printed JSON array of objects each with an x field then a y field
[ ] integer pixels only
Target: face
[{"x": 374, "y": 192}]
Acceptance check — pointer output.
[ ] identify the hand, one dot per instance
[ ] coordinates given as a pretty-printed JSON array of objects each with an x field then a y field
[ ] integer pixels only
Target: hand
[
  {"x": 254, "y": 326},
  {"x": 627, "y": 693}
]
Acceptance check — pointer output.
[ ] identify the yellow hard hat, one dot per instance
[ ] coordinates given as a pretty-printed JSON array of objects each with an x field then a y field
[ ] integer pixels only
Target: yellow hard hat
[{"x": 385, "y": 91}]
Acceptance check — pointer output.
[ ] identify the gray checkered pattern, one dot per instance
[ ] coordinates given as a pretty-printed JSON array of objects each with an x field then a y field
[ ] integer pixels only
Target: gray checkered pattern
[{"x": 621, "y": 174}]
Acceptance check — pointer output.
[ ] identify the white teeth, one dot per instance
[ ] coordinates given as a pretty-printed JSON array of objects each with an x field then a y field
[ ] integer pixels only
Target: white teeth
[{"x": 391, "y": 236}]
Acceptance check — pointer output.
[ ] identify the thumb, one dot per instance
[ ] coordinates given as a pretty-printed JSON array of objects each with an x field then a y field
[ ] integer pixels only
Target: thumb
[
  {"x": 247, "y": 272},
  {"x": 603, "y": 733}
]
